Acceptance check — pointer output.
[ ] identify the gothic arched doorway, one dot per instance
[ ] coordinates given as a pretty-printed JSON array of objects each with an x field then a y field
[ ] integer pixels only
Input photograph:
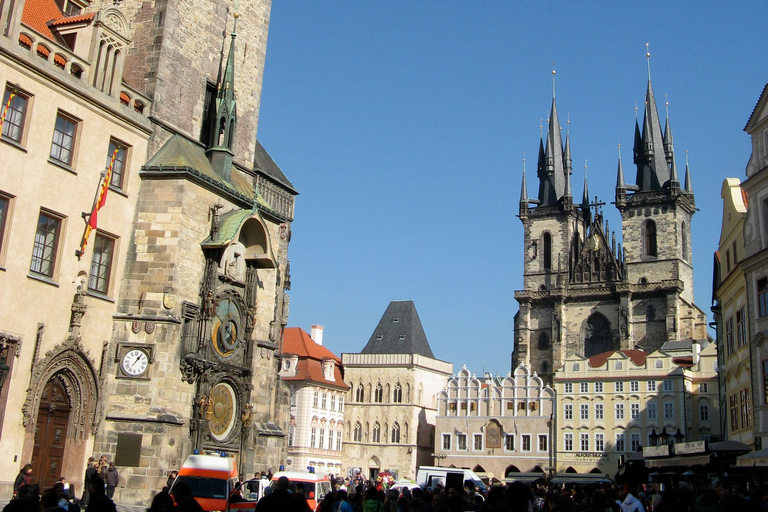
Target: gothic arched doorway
[
  {"x": 50, "y": 433},
  {"x": 598, "y": 337}
]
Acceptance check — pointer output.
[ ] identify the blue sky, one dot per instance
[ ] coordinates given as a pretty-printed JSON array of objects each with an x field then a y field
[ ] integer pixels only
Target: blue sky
[{"x": 403, "y": 125}]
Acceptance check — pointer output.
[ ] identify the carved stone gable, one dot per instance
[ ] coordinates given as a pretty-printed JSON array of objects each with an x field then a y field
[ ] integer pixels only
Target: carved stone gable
[{"x": 596, "y": 262}]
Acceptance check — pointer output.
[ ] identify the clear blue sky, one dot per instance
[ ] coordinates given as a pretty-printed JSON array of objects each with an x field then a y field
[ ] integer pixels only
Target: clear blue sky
[{"x": 403, "y": 125}]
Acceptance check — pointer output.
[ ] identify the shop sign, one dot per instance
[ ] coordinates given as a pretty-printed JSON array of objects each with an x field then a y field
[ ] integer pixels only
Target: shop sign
[
  {"x": 690, "y": 447},
  {"x": 656, "y": 451}
]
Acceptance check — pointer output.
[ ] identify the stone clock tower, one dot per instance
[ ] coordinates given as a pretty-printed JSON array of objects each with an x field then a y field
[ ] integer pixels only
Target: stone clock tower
[{"x": 203, "y": 298}]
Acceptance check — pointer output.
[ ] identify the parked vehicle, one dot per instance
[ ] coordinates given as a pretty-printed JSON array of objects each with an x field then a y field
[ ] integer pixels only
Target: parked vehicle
[
  {"x": 429, "y": 476},
  {"x": 213, "y": 480},
  {"x": 316, "y": 486}
]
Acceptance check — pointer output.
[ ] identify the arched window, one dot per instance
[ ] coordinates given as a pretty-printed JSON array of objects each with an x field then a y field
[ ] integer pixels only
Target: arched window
[
  {"x": 395, "y": 433},
  {"x": 649, "y": 238},
  {"x": 388, "y": 394},
  {"x": 378, "y": 398},
  {"x": 407, "y": 393},
  {"x": 684, "y": 240},
  {"x": 398, "y": 396},
  {"x": 543, "y": 341},
  {"x": 376, "y": 433},
  {"x": 360, "y": 395},
  {"x": 358, "y": 432},
  {"x": 547, "y": 251},
  {"x": 598, "y": 337},
  {"x": 544, "y": 367}
]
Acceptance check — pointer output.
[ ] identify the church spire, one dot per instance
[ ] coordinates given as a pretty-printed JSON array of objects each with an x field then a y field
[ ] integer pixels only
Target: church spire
[
  {"x": 567, "y": 164},
  {"x": 652, "y": 166},
  {"x": 621, "y": 187},
  {"x": 223, "y": 125},
  {"x": 524, "y": 194},
  {"x": 553, "y": 175},
  {"x": 688, "y": 186}
]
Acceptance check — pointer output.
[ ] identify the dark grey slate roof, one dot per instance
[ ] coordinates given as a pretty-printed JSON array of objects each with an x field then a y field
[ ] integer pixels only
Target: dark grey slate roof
[
  {"x": 262, "y": 162},
  {"x": 399, "y": 332}
]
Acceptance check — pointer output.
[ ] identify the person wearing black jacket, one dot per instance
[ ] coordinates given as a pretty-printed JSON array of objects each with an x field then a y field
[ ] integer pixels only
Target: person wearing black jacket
[
  {"x": 99, "y": 501},
  {"x": 90, "y": 472},
  {"x": 23, "y": 478},
  {"x": 281, "y": 499}
]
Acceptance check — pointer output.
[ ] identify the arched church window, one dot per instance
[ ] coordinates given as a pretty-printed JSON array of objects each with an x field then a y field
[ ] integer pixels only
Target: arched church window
[
  {"x": 360, "y": 395},
  {"x": 543, "y": 341},
  {"x": 598, "y": 337},
  {"x": 376, "y": 432},
  {"x": 547, "y": 242},
  {"x": 379, "y": 394},
  {"x": 398, "y": 396},
  {"x": 396, "y": 433},
  {"x": 684, "y": 244},
  {"x": 649, "y": 238},
  {"x": 358, "y": 432}
]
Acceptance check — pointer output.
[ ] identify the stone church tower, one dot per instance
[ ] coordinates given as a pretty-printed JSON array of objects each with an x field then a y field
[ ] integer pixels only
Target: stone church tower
[{"x": 583, "y": 293}]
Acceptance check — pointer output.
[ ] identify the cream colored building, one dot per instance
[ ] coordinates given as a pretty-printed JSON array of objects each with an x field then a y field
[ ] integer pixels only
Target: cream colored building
[
  {"x": 732, "y": 319},
  {"x": 501, "y": 426},
  {"x": 391, "y": 407},
  {"x": 609, "y": 404},
  {"x": 58, "y": 136},
  {"x": 315, "y": 378}
]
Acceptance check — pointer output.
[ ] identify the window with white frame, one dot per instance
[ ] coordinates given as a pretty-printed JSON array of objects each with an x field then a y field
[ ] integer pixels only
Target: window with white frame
[
  {"x": 599, "y": 411},
  {"x": 333, "y": 402},
  {"x": 568, "y": 412},
  {"x": 315, "y": 398},
  {"x": 13, "y": 125},
  {"x": 584, "y": 442},
  {"x": 341, "y": 404},
  {"x": 634, "y": 411},
  {"x": 477, "y": 444},
  {"x": 619, "y": 442},
  {"x": 313, "y": 437},
  {"x": 598, "y": 387},
  {"x": 324, "y": 401},
  {"x": 584, "y": 411},
  {"x": 618, "y": 387},
  {"x": 446, "y": 442},
  {"x": 703, "y": 387},
  {"x": 704, "y": 412},
  {"x": 653, "y": 410},
  {"x": 568, "y": 442},
  {"x": 322, "y": 439},
  {"x": 584, "y": 387},
  {"x": 543, "y": 443},
  {"x": 568, "y": 386},
  {"x": 120, "y": 152},
  {"x": 634, "y": 386},
  {"x": 634, "y": 440},
  {"x": 599, "y": 442},
  {"x": 652, "y": 386},
  {"x": 526, "y": 442},
  {"x": 461, "y": 442},
  {"x": 101, "y": 263},
  {"x": 659, "y": 363},
  {"x": 617, "y": 365},
  {"x": 668, "y": 385},
  {"x": 63, "y": 144},
  {"x": 338, "y": 440},
  {"x": 509, "y": 442},
  {"x": 619, "y": 411},
  {"x": 669, "y": 411},
  {"x": 46, "y": 244}
]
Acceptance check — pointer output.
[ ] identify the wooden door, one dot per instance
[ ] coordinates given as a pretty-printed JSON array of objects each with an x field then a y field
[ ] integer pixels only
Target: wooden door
[{"x": 50, "y": 435}]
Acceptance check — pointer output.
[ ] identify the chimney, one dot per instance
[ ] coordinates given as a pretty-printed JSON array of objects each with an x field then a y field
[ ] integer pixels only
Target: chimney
[
  {"x": 317, "y": 334},
  {"x": 695, "y": 349}
]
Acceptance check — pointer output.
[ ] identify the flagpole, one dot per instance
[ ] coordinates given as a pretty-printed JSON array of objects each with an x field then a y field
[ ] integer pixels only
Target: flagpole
[{"x": 98, "y": 202}]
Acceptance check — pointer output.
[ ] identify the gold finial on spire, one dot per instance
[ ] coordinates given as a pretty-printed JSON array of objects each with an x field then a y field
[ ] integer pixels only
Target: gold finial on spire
[
  {"x": 666, "y": 104},
  {"x": 635, "y": 110},
  {"x": 568, "y": 124},
  {"x": 541, "y": 128},
  {"x": 235, "y": 15},
  {"x": 553, "y": 79},
  {"x": 648, "y": 56}
]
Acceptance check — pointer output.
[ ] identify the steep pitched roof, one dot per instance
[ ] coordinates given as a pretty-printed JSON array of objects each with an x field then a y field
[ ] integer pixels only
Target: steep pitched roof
[
  {"x": 638, "y": 357},
  {"x": 37, "y": 14},
  {"x": 399, "y": 332},
  {"x": 264, "y": 163},
  {"x": 297, "y": 342}
]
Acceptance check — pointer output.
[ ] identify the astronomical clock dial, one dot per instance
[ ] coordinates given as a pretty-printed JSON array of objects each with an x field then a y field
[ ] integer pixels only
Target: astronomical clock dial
[
  {"x": 135, "y": 362},
  {"x": 223, "y": 411},
  {"x": 226, "y": 328}
]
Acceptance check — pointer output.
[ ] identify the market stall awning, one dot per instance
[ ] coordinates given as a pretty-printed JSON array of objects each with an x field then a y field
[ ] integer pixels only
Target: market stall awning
[
  {"x": 663, "y": 462},
  {"x": 580, "y": 478},
  {"x": 758, "y": 458},
  {"x": 526, "y": 478}
]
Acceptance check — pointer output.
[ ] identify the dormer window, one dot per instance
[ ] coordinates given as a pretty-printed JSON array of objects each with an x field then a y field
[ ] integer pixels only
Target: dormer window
[
  {"x": 70, "y": 7},
  {"x": 396, "y": 319},
  {"x": 402, "y": 337}
]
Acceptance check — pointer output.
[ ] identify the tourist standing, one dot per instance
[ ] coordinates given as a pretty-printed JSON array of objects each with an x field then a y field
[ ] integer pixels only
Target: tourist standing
[
  {"x": 113, "y": 478},
  {"x": 23, "y": 478}
]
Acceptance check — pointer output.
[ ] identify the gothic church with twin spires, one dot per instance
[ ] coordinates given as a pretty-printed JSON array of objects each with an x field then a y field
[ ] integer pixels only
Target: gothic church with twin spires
[{"x": 584, "y": 293}]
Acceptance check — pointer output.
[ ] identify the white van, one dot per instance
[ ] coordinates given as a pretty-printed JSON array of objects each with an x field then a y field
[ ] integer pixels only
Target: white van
[{"x": 429, "y": 476}]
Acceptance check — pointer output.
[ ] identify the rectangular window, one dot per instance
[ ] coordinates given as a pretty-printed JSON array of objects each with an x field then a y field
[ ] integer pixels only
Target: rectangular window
[
  {"x": 543, "y": 443},
  {"x": 446, "y": 442},
  {"x": 733, "y": 402},
  {"x": 618, "y": 387},
  {"x": 63, "y": 145},
  {"x": 584, "y": 411},
  {"x": 526, "y": 442},
  {"x": 703, "y": 387},
  {"x": 669, "y": 411},
  {"x": 13, "y": 126},
  {"x": 746, "y": 406},
  {"x": 46, "y": 244},
  {"x": 509, "y": 443},
  {"x": 617, "y": 365},
  {"x": 704, "y": 412},
  {"x": 569, "y": 442},
  {"x": 338, "y": 440},
  {"x": 653, "y": 411},
  {"x": 5, "y": 206},
  {"x": 118, "y": 169},
  {"x": 584, "y": 442},
  {"x": 619, "y": 442},
  {"x": 333, "y": 402},
  {"x": 461, "y": 442},
  {"x": 619, "y": 411},
  {"x": 324, "y": 401},
  {"x": 599, "y": 442},
  {"x": 322, "y": 439},
  {"x": 341, "y": 404},
  {"x": 584, "y": 387},
  {"x": 634, "y": 440},
  {"x": 634, "y": 411},
  {"x": 568, "y": 387},
  {"x": 101, "y": 263},
  {"x": 762, "y": 295},
  {"x": 599, "y": 411},
  {"x": 598, "y": 387},
  {"x": 569, "y": 409},
  {"x": 313, "y": 437},
  {"x": 741, "y": 328},
  {"x": 478, "y": 442},
  {"x": 634, "y": 386},
  {"x": 669, "y": 385},
  {"x": 652, "y": 386},
  {"x": 315, "y": 398},
  {"x": 730, "y": 337}
]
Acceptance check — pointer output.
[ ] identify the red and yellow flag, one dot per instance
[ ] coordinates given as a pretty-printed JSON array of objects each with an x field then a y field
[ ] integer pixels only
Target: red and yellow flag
[
  {"x": 101, "y": 199},
  {"x": 5, "y": 109}
]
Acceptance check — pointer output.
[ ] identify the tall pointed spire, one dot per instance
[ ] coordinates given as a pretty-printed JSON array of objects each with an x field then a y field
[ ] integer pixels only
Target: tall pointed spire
[
  {"x": 223, "y": 125},
  {"x": 688, "y": 186},
  {"x": 621, "y": 187},
  {"x": 585, "y": 194},
  {"x": 524, "y": 193},
  {"x": 554, "y": 170},
  {"x": 567, "y": 164},
  {"x": 668, "y": 149},
  {"x": 652, "y": 167}
]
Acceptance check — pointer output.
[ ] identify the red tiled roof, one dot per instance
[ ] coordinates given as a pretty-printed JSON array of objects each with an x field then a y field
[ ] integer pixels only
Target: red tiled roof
[
  {"x": 73, "y": 19},
  {"x": 638, "y": 357},
  {"x": 37, "y": 14},
  {"x": 297, "y": 341}
]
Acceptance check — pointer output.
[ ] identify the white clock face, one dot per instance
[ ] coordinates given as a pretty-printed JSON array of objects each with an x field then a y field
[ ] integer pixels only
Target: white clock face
[{"x": 135, "y": 362}]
